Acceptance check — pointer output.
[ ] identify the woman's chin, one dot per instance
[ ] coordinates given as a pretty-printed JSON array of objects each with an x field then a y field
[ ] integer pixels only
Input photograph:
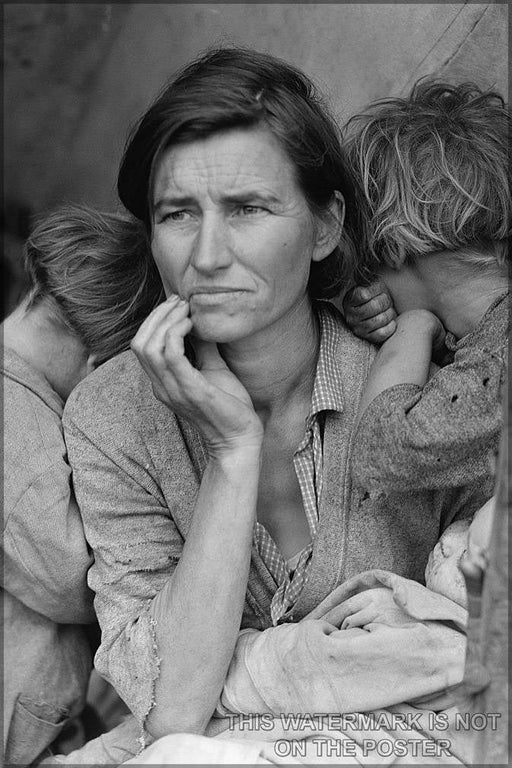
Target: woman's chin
[{"x": 217, "y": 330}]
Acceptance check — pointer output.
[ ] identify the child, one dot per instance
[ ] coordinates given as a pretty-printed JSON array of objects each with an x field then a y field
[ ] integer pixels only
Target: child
[
  {"x": 91, "y": 287},
  {"x": 434, "y": 169},
  {"x": 462, "y": 550}
]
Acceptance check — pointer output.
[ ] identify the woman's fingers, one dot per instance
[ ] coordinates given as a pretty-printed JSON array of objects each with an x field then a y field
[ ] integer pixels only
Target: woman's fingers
[
  {"x": 153, "y": 321},
  {"x": 208, "y": 356},
  {"x": 160, "y": 348}
]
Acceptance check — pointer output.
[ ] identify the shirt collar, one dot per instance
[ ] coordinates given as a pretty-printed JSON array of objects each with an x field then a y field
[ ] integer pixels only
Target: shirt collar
[
  {"x": 327, "y": 387},
  {"x": 488, "y": 329}
]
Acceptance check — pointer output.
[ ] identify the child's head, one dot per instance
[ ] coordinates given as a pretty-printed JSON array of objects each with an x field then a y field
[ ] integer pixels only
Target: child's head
[
  {"x": 95, "y": 272},
  {"x": 435, "y": 172},
  {"x": 463, "y": 539}
]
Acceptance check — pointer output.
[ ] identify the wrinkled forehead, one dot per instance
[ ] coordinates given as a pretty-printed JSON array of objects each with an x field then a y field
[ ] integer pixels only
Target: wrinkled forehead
[{"x": 234, "y": 161}]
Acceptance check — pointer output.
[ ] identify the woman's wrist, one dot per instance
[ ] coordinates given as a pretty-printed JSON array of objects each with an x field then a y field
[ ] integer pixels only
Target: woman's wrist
[{"x": 242, "y": 454}]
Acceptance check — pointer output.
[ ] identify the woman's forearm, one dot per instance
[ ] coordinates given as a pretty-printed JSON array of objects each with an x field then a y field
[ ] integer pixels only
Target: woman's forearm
[{"x": 198, "y": 612}]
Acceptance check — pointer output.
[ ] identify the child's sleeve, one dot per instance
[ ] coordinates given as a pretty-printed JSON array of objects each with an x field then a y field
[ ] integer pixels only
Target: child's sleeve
[{"x": 445, "y": 434}]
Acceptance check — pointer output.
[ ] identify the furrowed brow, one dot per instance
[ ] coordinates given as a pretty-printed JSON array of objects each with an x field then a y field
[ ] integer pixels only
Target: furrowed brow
[
  {"x": 250, "y": 196},
  {"x": 172, "y": 202}
]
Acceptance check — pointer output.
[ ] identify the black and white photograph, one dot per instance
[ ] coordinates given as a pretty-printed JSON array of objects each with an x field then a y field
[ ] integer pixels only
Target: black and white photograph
[{"x": 255, "y": 328}]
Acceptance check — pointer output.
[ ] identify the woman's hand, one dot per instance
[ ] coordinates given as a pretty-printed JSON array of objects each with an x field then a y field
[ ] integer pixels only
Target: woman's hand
[
  {"x": 209, "y": 396},
  {"x": 369, "y": 312}
]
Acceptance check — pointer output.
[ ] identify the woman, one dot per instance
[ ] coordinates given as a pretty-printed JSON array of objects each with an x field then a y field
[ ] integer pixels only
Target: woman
[
  {"x": 211, "y": 466},
  {"x": 82, "y": 308}
]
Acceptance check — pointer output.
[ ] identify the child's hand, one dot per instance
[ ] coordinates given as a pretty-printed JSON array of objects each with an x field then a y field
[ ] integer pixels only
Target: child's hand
[
  {"x": 424, "y": 322},
  {"x": 369, "y": 312},
  {"x": 373, "y": 605}
]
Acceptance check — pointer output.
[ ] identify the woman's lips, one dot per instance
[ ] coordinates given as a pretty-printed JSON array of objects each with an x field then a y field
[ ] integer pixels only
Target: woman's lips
[{"x": 216, "y": 295}]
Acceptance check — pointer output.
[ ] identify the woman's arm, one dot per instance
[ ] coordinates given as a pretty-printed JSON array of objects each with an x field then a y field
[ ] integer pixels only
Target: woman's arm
[
  {"x": 170, "y": 611},
  {"x": 197, "y": 614},
  {"x": 199, "y": 610}
]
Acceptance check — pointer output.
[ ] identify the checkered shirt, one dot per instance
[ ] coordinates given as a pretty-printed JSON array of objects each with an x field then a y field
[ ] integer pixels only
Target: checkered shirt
[{"x": 307, "y": 460}]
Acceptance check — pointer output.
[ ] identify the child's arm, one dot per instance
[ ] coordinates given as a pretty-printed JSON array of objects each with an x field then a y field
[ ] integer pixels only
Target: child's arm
[
  {"x": 405, "y": 358},
  {"x": 439, "y": 433}
]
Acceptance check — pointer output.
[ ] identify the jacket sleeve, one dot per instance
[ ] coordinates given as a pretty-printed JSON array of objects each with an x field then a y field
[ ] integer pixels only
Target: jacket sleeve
[
  {"x": 136, "y": 544},
  {"x": 46, "y": 556},
  {"x": 444, "y": 435}
]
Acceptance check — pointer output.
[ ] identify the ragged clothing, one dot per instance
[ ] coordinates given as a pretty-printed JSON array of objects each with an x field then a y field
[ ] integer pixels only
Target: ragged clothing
[
  {"x": 137, "y": 469},
  {"x": 47, "y": 658},
  {"x": 386, "y": 694},
  {"x": 446, "y": 433}
]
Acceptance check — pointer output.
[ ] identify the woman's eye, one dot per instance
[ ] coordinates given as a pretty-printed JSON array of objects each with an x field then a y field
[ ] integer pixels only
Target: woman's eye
[
  {"x": 251, "y": 210},
  {"x": 181, "y": 215}
]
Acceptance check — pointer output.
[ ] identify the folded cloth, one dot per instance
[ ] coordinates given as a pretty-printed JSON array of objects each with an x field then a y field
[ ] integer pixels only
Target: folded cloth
[
  {"x": 387, "y": 682},
  {"x": 316, "y": 667}
]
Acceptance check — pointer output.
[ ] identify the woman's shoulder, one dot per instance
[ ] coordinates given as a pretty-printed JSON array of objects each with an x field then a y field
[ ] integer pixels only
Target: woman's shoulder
[
  {"x": 116, "y": 393},
  {"x": 122, "y": 375},
  {"x": 343, "y": 342}
]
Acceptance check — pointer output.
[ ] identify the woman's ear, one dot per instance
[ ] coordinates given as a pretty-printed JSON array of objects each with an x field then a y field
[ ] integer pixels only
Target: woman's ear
[{"x": 329, "y": 228}]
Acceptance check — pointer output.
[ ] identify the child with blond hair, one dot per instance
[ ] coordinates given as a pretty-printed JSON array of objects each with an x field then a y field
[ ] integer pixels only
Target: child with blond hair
[{"x": 433, "y": 284}]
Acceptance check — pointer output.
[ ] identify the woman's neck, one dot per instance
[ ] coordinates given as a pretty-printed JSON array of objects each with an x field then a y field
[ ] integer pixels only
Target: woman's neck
[
  {"x": 46, "y": 346},
  {"x": 278, "y": 367}
]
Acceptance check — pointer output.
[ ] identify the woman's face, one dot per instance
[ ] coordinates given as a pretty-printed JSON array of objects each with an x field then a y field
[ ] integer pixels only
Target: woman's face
[{"x": 233, "y": 234}]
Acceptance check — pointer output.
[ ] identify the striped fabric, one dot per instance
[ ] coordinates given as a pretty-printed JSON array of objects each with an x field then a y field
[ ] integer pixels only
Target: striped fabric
[{"x": 307, "y": 459}]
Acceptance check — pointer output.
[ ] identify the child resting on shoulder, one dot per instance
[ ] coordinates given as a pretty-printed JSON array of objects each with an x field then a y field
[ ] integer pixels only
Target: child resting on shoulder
[
  {"x": 435, "y": 174},
  {"x": 92, "y": 283}
]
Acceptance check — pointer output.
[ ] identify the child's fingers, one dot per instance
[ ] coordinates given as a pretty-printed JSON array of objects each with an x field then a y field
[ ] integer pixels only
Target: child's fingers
[
  {"x": 380, "y": 320},
  {"x": 360, "y": 618},
  {"x": 361, "y": 294},
  {"x": 380, "y": 335}
]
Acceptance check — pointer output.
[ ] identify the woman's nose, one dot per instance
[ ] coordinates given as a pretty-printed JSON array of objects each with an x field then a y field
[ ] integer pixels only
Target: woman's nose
[{"x": 211, "y": 250}]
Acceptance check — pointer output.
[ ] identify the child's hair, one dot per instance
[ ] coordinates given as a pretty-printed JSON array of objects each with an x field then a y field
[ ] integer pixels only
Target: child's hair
[
  {"x": 435, "y": 172},
  {"x": 96, "y": 271}
]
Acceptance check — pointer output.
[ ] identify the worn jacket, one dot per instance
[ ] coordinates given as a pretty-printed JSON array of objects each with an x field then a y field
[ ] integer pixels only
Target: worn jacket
[
  {"x": 447, "y": 433},
  {"x": 47, "y": 659}
]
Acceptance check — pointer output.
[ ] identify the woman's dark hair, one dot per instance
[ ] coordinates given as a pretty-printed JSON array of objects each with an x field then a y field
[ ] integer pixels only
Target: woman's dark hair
[{"x": 236, "y": 88}]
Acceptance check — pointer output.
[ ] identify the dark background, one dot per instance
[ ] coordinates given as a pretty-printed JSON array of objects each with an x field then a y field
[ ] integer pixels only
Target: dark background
[{"x": 77, "y": 75}]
